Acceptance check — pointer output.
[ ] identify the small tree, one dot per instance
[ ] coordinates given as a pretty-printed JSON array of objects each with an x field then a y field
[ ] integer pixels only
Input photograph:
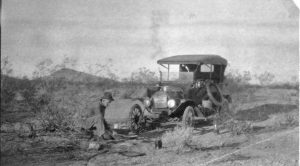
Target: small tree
[
  {"x": 43, "y": 68},
  {"x": 6, "y": 66},
  {"x": 235, "y": 81},
  {"x": 7, "y": 84},
  {"x": 6, "y": 70},
  {"x": 247, "y": 77},
  {"x": 144, "y": 75},
  {"x": 104, "y": 69},
  {"x": 265, "y": 78}
]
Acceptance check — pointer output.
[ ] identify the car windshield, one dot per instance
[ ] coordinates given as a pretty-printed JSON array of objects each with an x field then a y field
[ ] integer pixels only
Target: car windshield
[
  {"x": 179, "y": 74},
  {"x": 180, "y": 77}
]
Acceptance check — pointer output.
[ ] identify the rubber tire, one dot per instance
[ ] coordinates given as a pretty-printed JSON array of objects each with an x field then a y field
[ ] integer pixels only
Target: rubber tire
[
  {"x": 189, "y": 111},
  {"x": 135, "y": 123},
  {"x": 211, "y": 97}
]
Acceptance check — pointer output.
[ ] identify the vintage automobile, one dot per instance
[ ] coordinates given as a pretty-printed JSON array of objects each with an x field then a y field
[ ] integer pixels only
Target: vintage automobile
[{"x": 193, "y": 91}]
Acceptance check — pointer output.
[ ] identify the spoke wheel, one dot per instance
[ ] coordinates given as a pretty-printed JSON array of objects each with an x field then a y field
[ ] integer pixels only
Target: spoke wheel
[
  {"x": 135, "y": 118},
  {"x": 188, "y": 117}
]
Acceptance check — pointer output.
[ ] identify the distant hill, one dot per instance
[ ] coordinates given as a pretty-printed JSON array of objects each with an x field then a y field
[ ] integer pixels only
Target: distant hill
[
  {"x": 9, "y": 78},
  {"x": 76, "y": 76}
]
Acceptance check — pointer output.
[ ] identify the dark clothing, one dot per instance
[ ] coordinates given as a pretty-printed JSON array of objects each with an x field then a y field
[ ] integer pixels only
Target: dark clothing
[
  {"x": 102, "y": 110},
  {"x": 99, "y": 122},
  {"x": 102, "y": 113}
]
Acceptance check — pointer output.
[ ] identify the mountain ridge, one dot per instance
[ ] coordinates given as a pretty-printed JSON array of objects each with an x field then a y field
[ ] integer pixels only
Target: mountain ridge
[{"x": 76, "y": 76}]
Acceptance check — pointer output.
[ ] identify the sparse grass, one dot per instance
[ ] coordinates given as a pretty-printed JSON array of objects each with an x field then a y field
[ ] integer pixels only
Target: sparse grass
[
  {"x": 178, "y": 139},
  {"x": 289, "y": 85},
  {"x": 261, "y": 113}
]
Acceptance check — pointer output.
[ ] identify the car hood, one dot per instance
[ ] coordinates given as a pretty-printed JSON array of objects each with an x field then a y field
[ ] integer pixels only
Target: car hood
[
  {"x": 173, "y": 92},
  {"x": 161, "y": 97}
]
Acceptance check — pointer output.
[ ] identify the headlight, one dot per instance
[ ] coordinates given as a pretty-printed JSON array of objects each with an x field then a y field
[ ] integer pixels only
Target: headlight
[
  {"x": 171, "y": 103},
  {"x": 147, "y": 102}
]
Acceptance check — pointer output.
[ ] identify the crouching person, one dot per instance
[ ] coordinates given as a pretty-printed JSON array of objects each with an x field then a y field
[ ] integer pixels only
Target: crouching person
[{"x": 97, "y": 123}]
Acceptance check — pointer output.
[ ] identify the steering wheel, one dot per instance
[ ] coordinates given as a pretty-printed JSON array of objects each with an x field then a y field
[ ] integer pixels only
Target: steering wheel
[{"x": 216, "y": 97}]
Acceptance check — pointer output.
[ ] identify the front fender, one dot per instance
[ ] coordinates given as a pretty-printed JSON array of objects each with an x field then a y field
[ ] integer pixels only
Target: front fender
[
  {"x": 178, "y": 112},
  {"x": 118, "y": 110}
]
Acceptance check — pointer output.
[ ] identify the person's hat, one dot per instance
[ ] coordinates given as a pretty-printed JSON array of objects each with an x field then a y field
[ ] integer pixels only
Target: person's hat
[{"x": 107, "y": 95}]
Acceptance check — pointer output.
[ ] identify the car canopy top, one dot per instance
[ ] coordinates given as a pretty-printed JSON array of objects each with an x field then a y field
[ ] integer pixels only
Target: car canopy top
[{"x": 194, "y": 59}]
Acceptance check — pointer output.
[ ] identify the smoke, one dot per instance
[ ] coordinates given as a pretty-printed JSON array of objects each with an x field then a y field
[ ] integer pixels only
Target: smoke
[{"x": 158, "y": 19}]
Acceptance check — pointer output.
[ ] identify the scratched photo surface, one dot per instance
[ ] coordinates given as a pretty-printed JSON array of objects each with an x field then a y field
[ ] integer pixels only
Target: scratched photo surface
[{"x": 149, "y": 82}]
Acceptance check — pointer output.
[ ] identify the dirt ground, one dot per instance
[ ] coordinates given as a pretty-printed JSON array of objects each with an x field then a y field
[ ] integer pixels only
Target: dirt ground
[{"x": 274, "y": 140}]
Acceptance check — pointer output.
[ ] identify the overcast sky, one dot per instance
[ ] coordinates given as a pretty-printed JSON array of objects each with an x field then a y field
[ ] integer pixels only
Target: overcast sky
[{"x": 254, "y": 35}]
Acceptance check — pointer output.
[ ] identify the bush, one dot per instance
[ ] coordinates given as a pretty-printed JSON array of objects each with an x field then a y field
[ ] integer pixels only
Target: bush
[
  {"x": 265, "y": 78},
  {"x": 291, "y": 120},
  {"x": 237, "y": 82},
  {"x": 144, "y": 75},
  {"x": 178, "y": 139},
  {"x": 127, "y": 93},
  {"x": 13, "y": 86},
  {"x": 8, "y": 90},
  {"x": 287, "y": 120},
  {"x": 53, "y": 118},
  {"x": 238, "y": 127}
]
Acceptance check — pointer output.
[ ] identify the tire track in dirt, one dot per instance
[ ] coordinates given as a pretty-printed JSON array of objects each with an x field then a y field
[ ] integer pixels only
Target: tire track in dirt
[{"x": 286, "y": 133}]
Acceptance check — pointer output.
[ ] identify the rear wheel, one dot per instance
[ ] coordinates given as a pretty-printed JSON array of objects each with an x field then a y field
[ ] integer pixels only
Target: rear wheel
[
  {"x": 135, "y": 118},
  {"x": 188, "y": 117}
]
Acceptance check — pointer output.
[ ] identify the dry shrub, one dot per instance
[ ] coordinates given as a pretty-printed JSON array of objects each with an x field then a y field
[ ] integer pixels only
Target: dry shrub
[
  {"x": 287, "y": 120},
  {"x": 57, "y": 106},
  {"x": 178, "y": 139},
  {"x": 265, "y": 78},
  {"x": 238, "y": 127},
  {"x": 133, "y": 91},
  {"x": 237, "y": 82},
  {"x": 53, "y": 118},
  {"x": 127, "y": 93},
  {"x": 144, "y": 75}
]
